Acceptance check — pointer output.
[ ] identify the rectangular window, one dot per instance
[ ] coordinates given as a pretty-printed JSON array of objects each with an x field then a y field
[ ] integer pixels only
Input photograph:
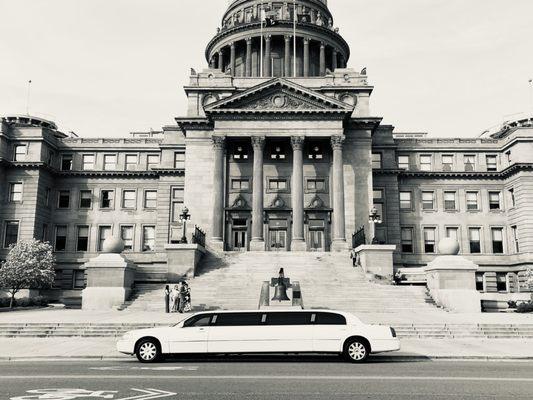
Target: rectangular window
[
  {"x": 11, "y": 233},
  {"x": 492, "y": 163},
  {"x": 66, "y": 162},
  {"x": 288, "y": 318},
  {"x": 426, "y": 162},
  {"x": 497, "y": 240},
  {"x": 453, "y": 233},
  {"x": 240, "y": 153},
  {"x": 447, "y": 162},
  {"x": 131, "y": 162},
  {"x": 277, "y": 185},
  {"x": 429, "y": 240},
  {"x": 406, "y": 201},
  {"x": 278, "y": 153},
  {"x": 177, "y": 203},
  {"x": 129, "y": 198},
  {"x": 107, "y": 199},
  {"x": 110, "y": 162},
  {"x": 63, "y": 200},
  {"x": 86, "y": 198},
  {"x": 472, "y": 203},
  {"x": 148, "y": 238},
  {"x": 376, "y": 161},
  {"x": 126, "y": 233},
  {"x": 428, "y": 200},
  {"x": 474, "y": 237},
  {"x": 512, "y": 198},
  {"x": 240, "y": 184},
  {"x": 239, "y": 319},
  {"x": 82, "y": 238},
  {"x": 407, "y": 240},
  {"x": 470, "y": 162},
  {"x": 150, "y": 198},
  {"x": 495, "y": 200},
  {"x": 47, "y": 197},
  {"x": 403, "y": 162},
  {"x": 104, "y": 231},
  {"x": 152, "y": 161},
  {"x": 315, "y": 152},
  {"x": 15, "y": 192},
  {"x": 179, "y": 160},
  {"x": 316, "y": 185},
  {"x": 87, "y": 162},
  {"x": 20, "y": 152},
  {"x": 515, "y": 239},
  {"x": 44, "y": 233},
  {"x": 450, "y": 202},
  {"x": 78, "y": 279},
  {"x": 61, "y": 238}
]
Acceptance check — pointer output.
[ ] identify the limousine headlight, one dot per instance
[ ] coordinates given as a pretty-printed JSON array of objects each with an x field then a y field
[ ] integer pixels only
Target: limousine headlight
[{"x": 393, "y": 332}]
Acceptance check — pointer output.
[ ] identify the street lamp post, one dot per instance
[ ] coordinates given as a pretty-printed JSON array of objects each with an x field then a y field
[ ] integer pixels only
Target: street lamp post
[
  {"x": 184, "y": 216},
  {"x": 374, "y": 218}
]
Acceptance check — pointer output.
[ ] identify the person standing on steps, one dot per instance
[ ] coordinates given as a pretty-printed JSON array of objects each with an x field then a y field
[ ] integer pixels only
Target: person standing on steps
[
  {"x": 167, "y": 299},
  {"x": 353, "y": 256},
  {"x": 185, "y": 298},
  {"x": 175, "y": 298}
]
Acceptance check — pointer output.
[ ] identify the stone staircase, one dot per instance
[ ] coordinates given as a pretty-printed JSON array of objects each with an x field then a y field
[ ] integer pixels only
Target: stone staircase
[{"x": 328, "y": 280}]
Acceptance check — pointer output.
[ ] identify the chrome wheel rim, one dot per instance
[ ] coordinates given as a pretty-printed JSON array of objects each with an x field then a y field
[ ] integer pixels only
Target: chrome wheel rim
[
  {"x": 148, "y": 351},
  {"x": 357, "y": 351}
]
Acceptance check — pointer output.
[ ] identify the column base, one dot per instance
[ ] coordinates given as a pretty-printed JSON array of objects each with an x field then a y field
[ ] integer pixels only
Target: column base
[
  {"x": 257, "y": 245},
  {"x": 217, "y": 244},
  {"x": 298, "y": 245},
  {"x": 339, "y": 245}
]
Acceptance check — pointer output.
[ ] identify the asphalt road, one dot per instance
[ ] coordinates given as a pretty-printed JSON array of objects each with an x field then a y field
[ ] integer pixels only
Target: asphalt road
[{"x": 269, "y": 377}]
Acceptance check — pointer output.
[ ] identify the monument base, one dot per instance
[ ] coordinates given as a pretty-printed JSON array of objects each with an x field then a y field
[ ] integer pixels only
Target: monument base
[
  {"x": 298, "y": 245},
  {"x": 377, "y": 259},
  {"x": 182, "y": 261},
  {"x": 257, "y": 245},
  {"x": 103, "y": 298}
]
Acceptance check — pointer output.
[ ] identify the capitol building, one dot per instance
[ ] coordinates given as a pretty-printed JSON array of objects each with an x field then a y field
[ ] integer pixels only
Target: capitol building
[{"x": 277, "y": 151}]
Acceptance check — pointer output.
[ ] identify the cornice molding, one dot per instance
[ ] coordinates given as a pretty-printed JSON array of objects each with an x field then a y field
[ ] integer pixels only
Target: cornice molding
[{"x": 509, "y": 171}]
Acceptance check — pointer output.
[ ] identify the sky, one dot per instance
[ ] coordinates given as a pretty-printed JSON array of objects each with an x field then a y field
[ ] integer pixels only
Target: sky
[{"x": 105, "y": 68}]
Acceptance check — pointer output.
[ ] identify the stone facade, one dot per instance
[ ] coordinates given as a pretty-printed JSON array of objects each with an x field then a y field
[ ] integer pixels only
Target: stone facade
[{"x": 283, "y": 156}]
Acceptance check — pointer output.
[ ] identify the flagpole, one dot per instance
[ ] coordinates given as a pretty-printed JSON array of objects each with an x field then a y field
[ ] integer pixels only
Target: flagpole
[
  {"x": 294, "y": 36},
  {"x": 28, "y": 99},
  {"x": 261, "y": 50}
]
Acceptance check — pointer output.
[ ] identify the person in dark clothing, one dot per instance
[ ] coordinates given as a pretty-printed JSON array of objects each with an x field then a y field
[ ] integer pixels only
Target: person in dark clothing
[{"x": 167, "y": 299}]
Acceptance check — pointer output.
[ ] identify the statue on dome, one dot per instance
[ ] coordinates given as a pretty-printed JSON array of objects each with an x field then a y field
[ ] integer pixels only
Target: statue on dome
[{"x": 319, "y": 20}]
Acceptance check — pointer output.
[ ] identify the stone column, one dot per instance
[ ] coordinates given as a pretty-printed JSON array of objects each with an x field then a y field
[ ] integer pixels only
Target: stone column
[
  {"x": 334, "y": 60},
  {"x": 298, "y": 241},
  {"x": 267, "y": 62},
  {"x": 217, "y": 235},
  {"x": 339, "y": 236},
  {"x": 221, "y": 59},
  {"x": 258, "y": 242},
  {"x": 306, "y": 57},
  {"x": 288, "y": 39},
  {"x": 322, "y": 59},
  {"x": 248, "y": 56},
  {"x": 232, "y": 58}
]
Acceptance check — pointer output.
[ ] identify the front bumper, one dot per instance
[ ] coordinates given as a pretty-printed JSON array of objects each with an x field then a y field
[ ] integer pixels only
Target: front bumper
[
  {"x": 384, "y": 345},
  {"x": 126, "y": 346}
]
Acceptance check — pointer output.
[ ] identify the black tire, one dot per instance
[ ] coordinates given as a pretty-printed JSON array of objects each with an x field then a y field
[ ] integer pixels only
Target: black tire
[
  {"x": 148, "y": 351},
  {"x": 356, "y": 350}
]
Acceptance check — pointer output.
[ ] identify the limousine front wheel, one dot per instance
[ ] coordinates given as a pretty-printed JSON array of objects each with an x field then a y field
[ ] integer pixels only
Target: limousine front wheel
[
  {"x": 148, "y": 350},
  {"x": 356, "y": 350}
]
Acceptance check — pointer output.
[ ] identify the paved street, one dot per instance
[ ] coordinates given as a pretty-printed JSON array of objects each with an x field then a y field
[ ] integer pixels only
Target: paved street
[{"x": 269, "y": 377}]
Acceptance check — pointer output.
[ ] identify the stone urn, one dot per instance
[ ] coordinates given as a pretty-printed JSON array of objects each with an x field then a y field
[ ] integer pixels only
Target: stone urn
[
  {"x": 113, "y": 245},
  {"x": 448, "y": 247}
]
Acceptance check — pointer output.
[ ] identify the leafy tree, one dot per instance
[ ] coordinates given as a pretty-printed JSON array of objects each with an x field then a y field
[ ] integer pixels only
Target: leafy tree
[{"x": 29, "y": 264}]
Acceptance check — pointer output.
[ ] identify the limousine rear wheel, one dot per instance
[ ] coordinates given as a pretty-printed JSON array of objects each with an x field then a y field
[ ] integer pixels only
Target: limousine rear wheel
[
  {"x": 148, "y": 350},
  {"x": 356, "y": 350}
]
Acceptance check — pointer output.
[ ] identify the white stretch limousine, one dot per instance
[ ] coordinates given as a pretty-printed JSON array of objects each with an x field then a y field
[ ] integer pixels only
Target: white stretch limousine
[{"x": 244, "y": 332}]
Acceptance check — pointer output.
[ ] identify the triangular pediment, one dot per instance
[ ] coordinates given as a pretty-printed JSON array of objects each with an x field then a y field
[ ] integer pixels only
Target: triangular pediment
[{"x": 278, "y": 96}]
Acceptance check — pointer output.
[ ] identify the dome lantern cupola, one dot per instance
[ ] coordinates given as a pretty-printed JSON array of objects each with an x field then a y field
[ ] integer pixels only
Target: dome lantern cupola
[{"x": 308, "y": 48}]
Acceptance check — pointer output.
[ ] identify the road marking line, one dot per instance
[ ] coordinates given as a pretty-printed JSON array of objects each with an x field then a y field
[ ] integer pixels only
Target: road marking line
[{"x": 269, "y": 378}]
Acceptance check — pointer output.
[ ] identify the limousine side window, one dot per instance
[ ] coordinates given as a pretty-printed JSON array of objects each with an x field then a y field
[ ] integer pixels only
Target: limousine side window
[
  {"x": 198, "y": 320},
  {"x": 238, "y": 319},
  {"x": 329, "y": 319},
  {"x": 288, "y": 318}
]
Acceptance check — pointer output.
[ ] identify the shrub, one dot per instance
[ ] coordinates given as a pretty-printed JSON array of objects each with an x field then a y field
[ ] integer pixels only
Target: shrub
[{"x": 525, "y": 307}]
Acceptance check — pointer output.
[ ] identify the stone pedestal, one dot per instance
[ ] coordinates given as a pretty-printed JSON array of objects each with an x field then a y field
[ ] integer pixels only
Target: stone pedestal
[
  {"x": 377, "y": 259},
  {"x": 110, "y": 279},
  {"x": 451, "y": 281},
  {"x": 182, "y": 261},
  {"x": 257, "y": 245}
]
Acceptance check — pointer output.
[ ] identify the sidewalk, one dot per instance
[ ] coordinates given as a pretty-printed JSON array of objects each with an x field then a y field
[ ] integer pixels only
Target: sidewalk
[
  {"x": 465, "y": 349},
  {"x": 125, "y": 317}
]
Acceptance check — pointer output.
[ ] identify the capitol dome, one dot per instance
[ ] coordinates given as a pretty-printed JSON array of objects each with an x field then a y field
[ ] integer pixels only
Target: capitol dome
[{"x": 236, "y": 48}]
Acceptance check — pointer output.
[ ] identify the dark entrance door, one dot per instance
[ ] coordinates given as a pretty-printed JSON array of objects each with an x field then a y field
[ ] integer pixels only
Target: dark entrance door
[
  {"x": 239, "y": 235},
  {"x": 278, "y": 240},
  {"x": 316, "y": 237}
]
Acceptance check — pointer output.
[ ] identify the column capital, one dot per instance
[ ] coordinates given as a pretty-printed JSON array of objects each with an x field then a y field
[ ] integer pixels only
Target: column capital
[
  {"x": 288, "y": 38},
  {"x": 268, "y": 38},
  {"x": 322, "y": 45},
  {"x": 219, "y": 142},
  {"x": 306, "y": 40},
  {"x": 297, "y": 142},
  {"x": 232, "y": 45},
  {"x": 258, "y": 142},
  {"x": 248, "y": 40},
  {"x": 337, "y": 142}
]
